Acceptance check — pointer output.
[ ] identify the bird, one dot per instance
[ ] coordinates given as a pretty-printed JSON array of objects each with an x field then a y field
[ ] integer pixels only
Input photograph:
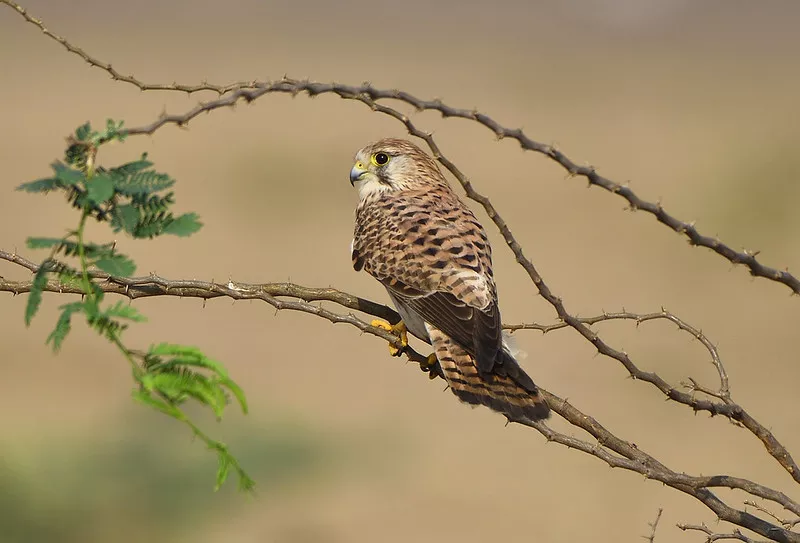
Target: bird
[{"x": 423, "y": 243}]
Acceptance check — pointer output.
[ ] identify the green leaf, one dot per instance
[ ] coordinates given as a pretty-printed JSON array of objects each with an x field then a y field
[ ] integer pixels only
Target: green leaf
[
  {"x": 173, "y": 349},
  {"x": 40, "y": 185},
  {"x": 246, "y": 483},
  {"x": 186, "y": 356},
  {"x": 113, "y": 127},
  {"x": 71, "y": 248},
  {"x": 64, "y": 324},
  {"x": 175, "y": 364},
  {"x": 179, "y": 385},
  {"x": 129, "y": 180},
  {"x": 124, "y": 310},
  {"x": 35, "y": 295},
  {"x": 90, "y": 306},
  {"x": 146, "y": 398},
  {"x": 185, "y": 225},
  {"x": 237, "y": 392},
  {"x": 68, "y": 176},
  {"x": 100, "y": 188},
  {"x": 83, "y": 132},
  {"x": 223, "y": 469},
  {"x": 70, "y": 278},
  {"x": 117, "y": 265},
  {"x": 130, "y": 168},
  {"x": 43, "y": 243},
  {"x": 124, "y": 217},
  {"x": 152, "y": 202},
  {"x": 77, "y": 154}
]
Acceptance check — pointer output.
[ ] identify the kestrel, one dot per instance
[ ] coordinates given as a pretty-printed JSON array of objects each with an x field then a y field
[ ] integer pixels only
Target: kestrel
[{"x": 415, "y": 236}]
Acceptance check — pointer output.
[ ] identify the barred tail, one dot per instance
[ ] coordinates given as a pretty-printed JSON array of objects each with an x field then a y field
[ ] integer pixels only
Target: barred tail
[{"x": 508, "y": 390}]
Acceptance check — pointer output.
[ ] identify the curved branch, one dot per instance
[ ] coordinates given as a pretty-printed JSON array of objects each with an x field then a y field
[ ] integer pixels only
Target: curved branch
[
  {"x": 711, "y": 536},
  {"x": 154, "y": 285},
  {"x": 609, "y": 448},
  {"x": 724, "y": 391},
  {"x": 368, "y": 95},
  {"x": 728, "y": 409},
  {"x": 613, "y": 450},
  {"x": 786, "y": 523},
  {"x": 294, "y": 86}
]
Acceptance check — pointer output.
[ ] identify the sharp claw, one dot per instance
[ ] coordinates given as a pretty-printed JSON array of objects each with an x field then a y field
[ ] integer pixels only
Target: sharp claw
[
  {"x": 382, "y": 324},
  {"x": 398, "y": 329},
  {"x": 429, "y": 366}
]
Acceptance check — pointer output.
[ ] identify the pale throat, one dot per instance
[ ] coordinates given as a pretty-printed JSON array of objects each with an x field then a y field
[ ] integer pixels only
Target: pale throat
[{"x": 370, "y": 188}]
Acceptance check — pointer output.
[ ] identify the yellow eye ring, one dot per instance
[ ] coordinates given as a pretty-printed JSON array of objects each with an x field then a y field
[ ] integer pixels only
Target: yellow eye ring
[{"x": 380, "y": 159}]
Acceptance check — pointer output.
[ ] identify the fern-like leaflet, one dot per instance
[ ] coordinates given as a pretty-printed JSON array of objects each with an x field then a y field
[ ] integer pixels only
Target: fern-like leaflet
[{"x": 129, "y": 198}]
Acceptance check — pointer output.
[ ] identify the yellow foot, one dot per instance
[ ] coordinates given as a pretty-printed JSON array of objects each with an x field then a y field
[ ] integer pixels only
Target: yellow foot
[
  {"x": 431, "y": 366},
  {"x": 398, "y": 329}
]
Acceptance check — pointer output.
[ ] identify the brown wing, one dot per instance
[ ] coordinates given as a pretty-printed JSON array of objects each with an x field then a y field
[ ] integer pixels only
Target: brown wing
[
  {"x": 476, "y": 331},
  {"x": 430, "y": 251}
]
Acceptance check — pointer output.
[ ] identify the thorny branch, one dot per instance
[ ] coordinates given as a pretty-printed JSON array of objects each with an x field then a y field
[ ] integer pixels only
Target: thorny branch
[
  {"x": 786, "y": 523},
  {"x": 366, "y": 93},
  {"x": 724, "y": 391},
  {"x": 609, "y": 448},
  {"x": 153, "y": 285},
  {"x": 651, "y": 537},
  {"x": 712, "y": 536}
]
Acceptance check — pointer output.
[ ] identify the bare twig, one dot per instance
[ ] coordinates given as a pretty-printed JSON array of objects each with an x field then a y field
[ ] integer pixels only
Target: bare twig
[
  {"x": 724, "y": 391},
  {"x": 786, "y": 523},
  {"x": 368, "y": 95},
  {"x": 250, "y": 90},
  {"x": 154, "y": 285},
  {"x": 608, "y": 447},
  {"x": 731, "y": 410},
  {"x": 653, "y": 527},
  {"x": 712, "y": 536}
]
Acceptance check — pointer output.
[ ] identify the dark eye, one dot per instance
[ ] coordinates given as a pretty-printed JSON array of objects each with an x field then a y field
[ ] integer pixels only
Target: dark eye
[{"x": 380, "y": 159}]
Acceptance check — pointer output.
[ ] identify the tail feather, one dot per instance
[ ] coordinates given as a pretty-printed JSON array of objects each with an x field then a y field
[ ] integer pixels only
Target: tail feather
[{"x": 508, "y": 389}]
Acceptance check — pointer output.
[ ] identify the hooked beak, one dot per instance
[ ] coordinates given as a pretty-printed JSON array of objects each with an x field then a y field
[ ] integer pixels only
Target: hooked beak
[{"x": 357, "y": 173}]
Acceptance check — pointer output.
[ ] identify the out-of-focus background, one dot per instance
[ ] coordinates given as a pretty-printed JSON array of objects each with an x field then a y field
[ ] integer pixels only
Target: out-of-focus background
[{"x": 693, "y": 103}]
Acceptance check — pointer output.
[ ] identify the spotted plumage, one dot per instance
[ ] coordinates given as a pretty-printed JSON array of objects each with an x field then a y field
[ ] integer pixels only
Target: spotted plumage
[{"x": 415, "y": 236}]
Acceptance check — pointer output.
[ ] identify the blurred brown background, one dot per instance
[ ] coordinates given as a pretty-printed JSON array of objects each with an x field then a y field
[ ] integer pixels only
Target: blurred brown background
[{"x": 694, "y": 103}]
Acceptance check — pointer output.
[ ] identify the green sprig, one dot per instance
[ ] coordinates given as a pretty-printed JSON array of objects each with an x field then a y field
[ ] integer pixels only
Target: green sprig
[{"x": 129, "y": 198}]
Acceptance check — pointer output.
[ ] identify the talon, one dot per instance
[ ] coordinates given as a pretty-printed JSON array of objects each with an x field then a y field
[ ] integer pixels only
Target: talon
[
  {"x": 430, "y": 365},
  {"x": 398, "y": 329}
]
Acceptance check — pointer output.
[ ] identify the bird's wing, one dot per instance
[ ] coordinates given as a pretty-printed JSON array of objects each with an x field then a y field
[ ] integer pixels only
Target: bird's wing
[
  {"x": 477, "y": 331},
  {"x": 434, "y": 257}
]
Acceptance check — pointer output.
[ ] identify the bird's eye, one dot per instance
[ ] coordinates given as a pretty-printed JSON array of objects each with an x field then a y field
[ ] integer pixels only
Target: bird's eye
[{"x": 380, "y": 159}]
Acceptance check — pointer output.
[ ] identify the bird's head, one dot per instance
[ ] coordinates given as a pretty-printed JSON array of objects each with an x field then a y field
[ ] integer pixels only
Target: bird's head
[{"x": 392, "y": 165}]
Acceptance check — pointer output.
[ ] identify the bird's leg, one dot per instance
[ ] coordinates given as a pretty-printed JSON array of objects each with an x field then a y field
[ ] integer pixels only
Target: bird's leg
[
  {"x": 398, "y": 329},
  {"x": 431, "y": 366}
]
